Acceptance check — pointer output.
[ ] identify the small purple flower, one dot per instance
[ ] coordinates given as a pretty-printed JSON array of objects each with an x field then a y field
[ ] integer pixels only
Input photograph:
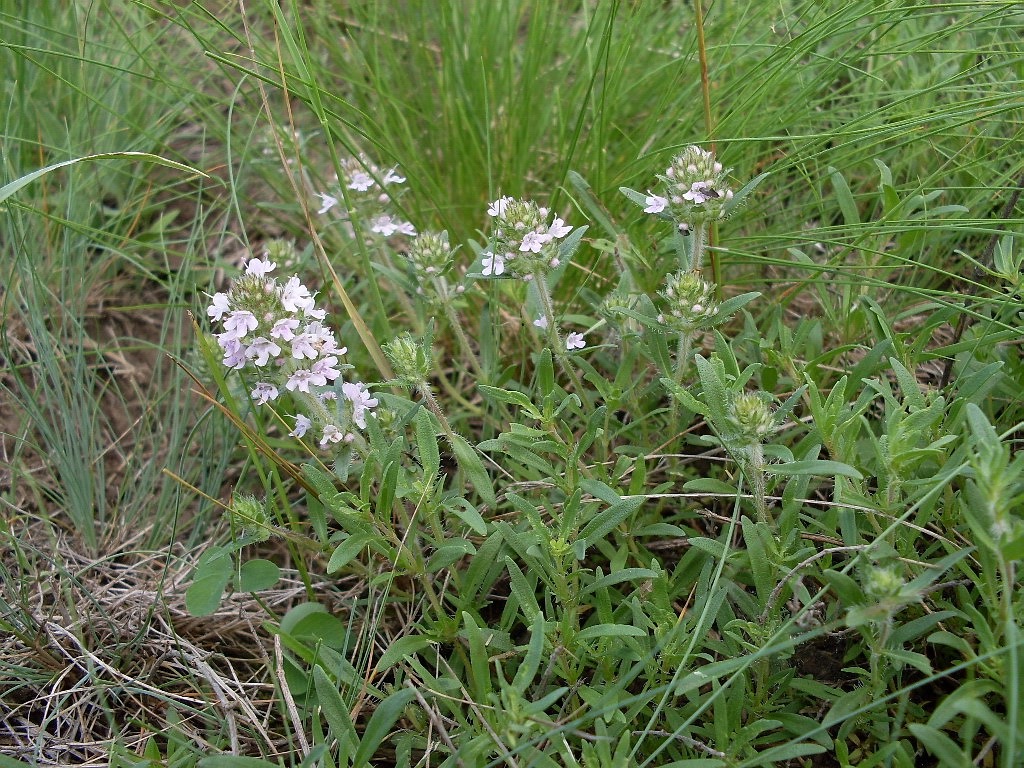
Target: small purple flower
[
  {"x": 284, "y": 329},
  {"x": 331, "y": 434},
  {"x": 534, "y": 241},
  {"x": 264, "y": 392},
  {"x": 300, "y": 380},
  {"x": 655, "y": 203},
  {"x": 304, "y": 345},
  {"x": 219, "y": 306},
  {"x": 259, "y": 267},
  {"x": 262, "y": 350},
  {"x": 326, "y": 202},
  {"x": 361, "y": 400},
  {"x": 493, "y": 264},
  {"x": 302, "y": 425},
  {"x": 325, "y": 367},
  {"x": 360, "y": 181},
  {"x": 234, "y": 351},
  {"x": 240, "y": 322},
  {"x": 296, "y": 296}
]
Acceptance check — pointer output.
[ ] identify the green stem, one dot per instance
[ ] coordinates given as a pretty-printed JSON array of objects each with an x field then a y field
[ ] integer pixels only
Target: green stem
[
  {"x": 698, "y": 241},
  {"x": 554, "y": 338},
  {"x": 432, "y": 405},
  {"x": 683, "y": 348},
  {"x": 461, "y": 337},
  {"x": 756, "y": 477}
]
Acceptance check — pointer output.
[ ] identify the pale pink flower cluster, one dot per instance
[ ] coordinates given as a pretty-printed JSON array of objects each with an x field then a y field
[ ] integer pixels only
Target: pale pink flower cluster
[
  {"x": 368, "y": 187},
  {"x": 696, "y": 189},
  {"x": 524, "y": 241},
  {"x": 277, "y": 334}
]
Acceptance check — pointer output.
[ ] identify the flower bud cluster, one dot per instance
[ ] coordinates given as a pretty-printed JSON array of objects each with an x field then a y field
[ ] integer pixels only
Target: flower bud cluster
[
  {"x": 690, "y": 301},
  {"x": 276, "y": 335},
  {"x": 524, "y": 242},
  {"x": 410, "y": 359},
  {"x": 752, "y": 417},
  {"x": 431, "y": 254},
  {"x": 369, "y": 194},
  {"x": 883, "y": 583},
  {"x": 695, "y": 189}
]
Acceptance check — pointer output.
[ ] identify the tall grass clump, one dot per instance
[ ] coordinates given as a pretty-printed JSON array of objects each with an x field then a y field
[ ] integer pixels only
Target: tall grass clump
[{"x": 568, "y": 383}]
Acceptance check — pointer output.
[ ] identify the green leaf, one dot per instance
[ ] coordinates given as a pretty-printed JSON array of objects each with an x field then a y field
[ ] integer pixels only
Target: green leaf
[
  {"x": 234, "y": 761},
  {"x": 940, "y": 745},
  {"x": 783, "y": 753},
  {"x": 617, "y": 577},
  {"x": 399, "y": 649},
  {"x": 380, "y": 723},
  {"x": 470, "y": 463},
  {"x": 534, "y": 653},
  {"x": 257, "y": 575},
  {"x": 11, "y": 188},
  {"x": 511, "y": 397},
  {"x": 468, "y": 514},
  {"x": 333, "y": 707},
  {"x": 611, "y": 630},
  {"x": 448, "y": 552},
  {"x": 479, "y": 658},
  {"x": 348, "y": 549},
  {"x": 820, "y": 467},
  {"x": 735, "y": 303},
  {"x": 741, "y": 194},
  {"x": 212, "y": 574},
  {"x": 426, "y": 444},
  {"x": 844, "y": 197},
  {"x": 605, "y": 521},
  {"x": 597, "y": 211},
  {"x": 522, "y": 590}
]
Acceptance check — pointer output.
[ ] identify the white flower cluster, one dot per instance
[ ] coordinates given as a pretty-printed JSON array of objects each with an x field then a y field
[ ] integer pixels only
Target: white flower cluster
[
  {"x": 696, "y": 189},
  {"x": 524, "y": 243},
  {"x": 276, "y": 333},
  {"x": 368, "y": 189}
]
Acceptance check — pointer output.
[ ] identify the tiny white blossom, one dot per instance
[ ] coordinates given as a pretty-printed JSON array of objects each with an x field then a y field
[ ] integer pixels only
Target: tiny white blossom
[
  {"x": 302, "y": 425},
  {"x": 406, "y": 228},
  {"x": 361, "y": 400},
  {"x": 304, "y": 345},
  {"x": 360, "y": 181},
  {"x": 264, "y": 392},
  {"x": 655, "y": 203},
  {"x": 331, "y": 434},
  {"x": 262, "y": 349},
  {"x": 392, "y": 177},
  {"x": 326, "y": 202},
  {"x": 284, "y": 328},
  {"x": 384, "y": 225},
  {"x": 559, "y": 228},
  {"x": 300, "y": 380},
  {"x": 575, "y": 341},
  {"x": 219, "y": 306},
  {"x": 534, "y": 241},
  {"x": 259, "y": 267},
  {"x": 234, "y": 350},
  {"x": 497, "y": 208},
  {"x": 296, "y": 296},
  {"x": 493, "y": 264},
  {"x": 324, "y": 367},
  {"x": 541, "y": 321},
  {"x": 240, "y": 322},
  {"x": 700, "y": 192}
]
